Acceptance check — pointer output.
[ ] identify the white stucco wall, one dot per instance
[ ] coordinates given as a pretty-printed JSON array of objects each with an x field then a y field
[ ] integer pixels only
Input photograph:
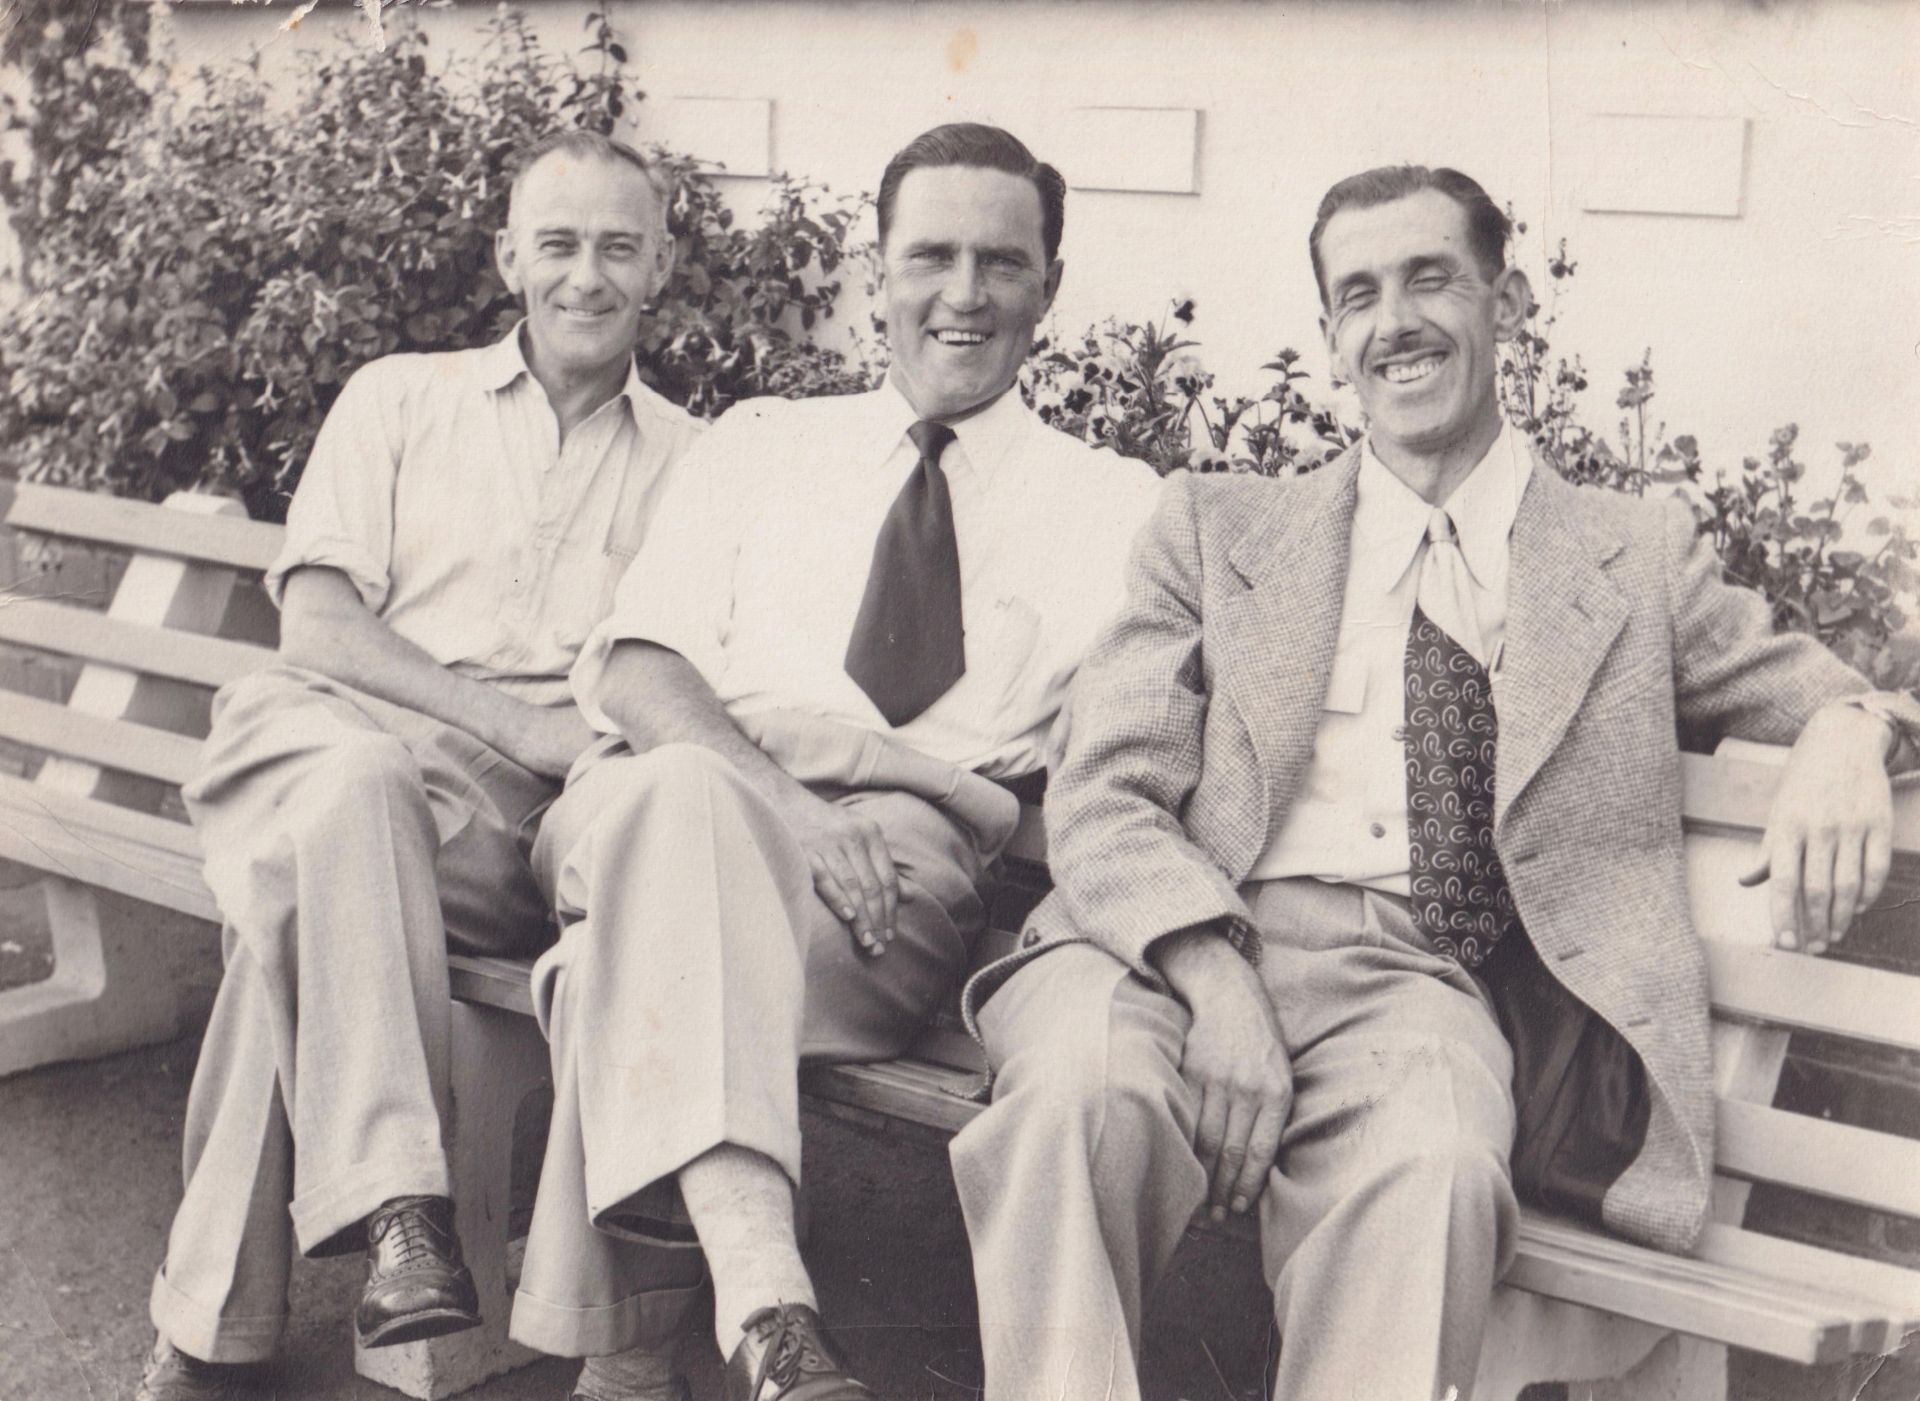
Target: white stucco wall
[{"x": 1806, "y": 306}]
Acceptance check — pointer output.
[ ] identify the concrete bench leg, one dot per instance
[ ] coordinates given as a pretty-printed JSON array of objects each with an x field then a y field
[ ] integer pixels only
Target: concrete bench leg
[
  {"x": 111, "y": 988},
  {"x": 1601, "y": 1356},
  {"x": 499, "y": 1059}
]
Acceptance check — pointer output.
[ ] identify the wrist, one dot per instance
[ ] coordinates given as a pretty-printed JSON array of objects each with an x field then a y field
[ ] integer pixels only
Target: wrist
[
  {"x": 1864, "y": 722},
  {"x": 1198, "y": 961}
]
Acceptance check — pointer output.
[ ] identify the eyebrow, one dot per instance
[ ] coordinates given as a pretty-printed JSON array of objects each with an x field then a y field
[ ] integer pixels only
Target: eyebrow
[
  {"x": 571, "y": 231},
  {"x": 949, "y": 248}
]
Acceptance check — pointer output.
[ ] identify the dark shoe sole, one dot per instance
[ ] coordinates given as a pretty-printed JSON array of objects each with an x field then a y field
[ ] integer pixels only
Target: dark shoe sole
[{"x": 417, "y": 1327}]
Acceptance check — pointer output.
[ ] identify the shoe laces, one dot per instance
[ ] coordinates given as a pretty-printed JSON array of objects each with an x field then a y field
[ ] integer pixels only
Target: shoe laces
[
  {"x": 415, "y": 1241},
  {"x": 789, "y": 1351}
]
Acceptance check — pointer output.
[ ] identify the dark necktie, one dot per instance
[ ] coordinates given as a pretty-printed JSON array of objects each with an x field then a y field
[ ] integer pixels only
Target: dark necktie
[
  {"x": 1460, "y": 895},
  {"x": 908, "y": 645}
]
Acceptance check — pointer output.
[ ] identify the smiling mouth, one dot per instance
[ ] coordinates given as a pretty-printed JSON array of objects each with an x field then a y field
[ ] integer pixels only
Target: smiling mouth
[
  {"x": 580, "y": 314},
  {"x": 962, "y": 338},
  {"x": 1411, "y": 371}
]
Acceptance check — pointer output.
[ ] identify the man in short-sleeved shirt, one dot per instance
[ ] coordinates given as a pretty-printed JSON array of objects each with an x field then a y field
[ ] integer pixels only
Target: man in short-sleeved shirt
[
  {"x": 850, "y": 618},
  {"x": 459, "y": 530}
]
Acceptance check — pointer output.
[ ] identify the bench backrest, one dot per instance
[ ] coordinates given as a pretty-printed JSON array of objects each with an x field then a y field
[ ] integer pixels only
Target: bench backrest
[{"x": 159, "y": 636}]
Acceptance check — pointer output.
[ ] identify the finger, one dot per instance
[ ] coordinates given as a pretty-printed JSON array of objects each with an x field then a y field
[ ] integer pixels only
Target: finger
[
  {"x": 1242, "y": 1110},
  {"x": 1816, "y": 891},
  {"x": 1877, "y": 863},
  {"x": 883, "y": 868},
  {"x": 1847, "y": 863},
  {"x": 1211, "y": 1130},
  {"x": 861, "y": 921},
  {"x": 831, "y": 892},
  {"x": 1757, "y": 873},
  {"x": 1784, "y": 891},
  {"x": 1263, "y": 1146},
  {"x": 867, "y": 882}
]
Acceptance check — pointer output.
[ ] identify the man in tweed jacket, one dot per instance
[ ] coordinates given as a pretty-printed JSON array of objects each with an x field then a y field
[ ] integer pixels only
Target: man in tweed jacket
[{"x": 1246, "y": 998}]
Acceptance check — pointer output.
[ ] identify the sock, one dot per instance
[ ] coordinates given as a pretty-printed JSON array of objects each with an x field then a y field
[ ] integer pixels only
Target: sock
[
  {"x": 742, "y": 1209},
  {"x": 634, "y": 1375}
]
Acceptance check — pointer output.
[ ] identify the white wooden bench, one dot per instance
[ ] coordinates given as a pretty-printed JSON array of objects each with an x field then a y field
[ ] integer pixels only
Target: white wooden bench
[{"x": 1576, "y": 1304}]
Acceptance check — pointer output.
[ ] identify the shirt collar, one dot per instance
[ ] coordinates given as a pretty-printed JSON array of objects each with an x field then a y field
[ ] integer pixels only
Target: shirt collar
[
  {"x": 985, "y": 437},
  {"x": 501, "y": 364},
  {"x": 1390, "y": 517}
]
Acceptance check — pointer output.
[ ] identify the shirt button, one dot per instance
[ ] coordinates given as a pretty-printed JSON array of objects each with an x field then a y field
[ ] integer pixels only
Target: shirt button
[
  {"x": 1399, "y": 734},
  {"x": 1378, "y": 830}
]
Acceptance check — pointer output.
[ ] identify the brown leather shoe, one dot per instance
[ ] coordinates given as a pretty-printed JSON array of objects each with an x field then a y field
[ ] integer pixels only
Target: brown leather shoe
[
  {"x": 417, "y": 1286},
  {"x": 171, "y": 1375},
  {"x": 786, "y": 1356}
]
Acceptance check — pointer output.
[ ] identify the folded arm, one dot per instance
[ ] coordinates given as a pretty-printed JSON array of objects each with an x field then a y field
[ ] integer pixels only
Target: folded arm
[
  {"x": 326, "y": 626},
  {"x": 656, "y": 696}
]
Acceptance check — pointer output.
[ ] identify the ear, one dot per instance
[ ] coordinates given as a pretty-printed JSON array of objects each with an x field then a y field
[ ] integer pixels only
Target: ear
[
  {"x": 1513, "y": 298},
  {"x": 1055, "y": 271},
  {"x": 503, "y": 259},
  {"x": 665, "y": 250}
]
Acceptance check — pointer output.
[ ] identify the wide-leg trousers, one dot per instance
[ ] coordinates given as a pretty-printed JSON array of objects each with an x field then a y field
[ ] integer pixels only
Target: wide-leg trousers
[
  {"x": 348, "y": 839},
  {"x": 1384, "y": 1224},
  {"x": 344, "y": 838},
  {"x": 696, "y": 972}
]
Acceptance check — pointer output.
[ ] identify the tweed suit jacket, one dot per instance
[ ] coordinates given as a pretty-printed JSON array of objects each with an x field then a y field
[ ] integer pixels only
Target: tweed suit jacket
[{"x": 1195, "y": 717}]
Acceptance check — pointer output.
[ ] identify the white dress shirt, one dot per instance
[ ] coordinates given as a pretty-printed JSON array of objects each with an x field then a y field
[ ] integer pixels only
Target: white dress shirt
[
  {"x": 1348, "y": 821},
  {"x": 759, "y": 555},
  {"x": 440, "y": 486}
]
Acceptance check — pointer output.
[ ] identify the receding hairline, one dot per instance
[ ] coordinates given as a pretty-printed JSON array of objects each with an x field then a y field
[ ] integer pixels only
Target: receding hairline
[{"x": 644, "y": 173}]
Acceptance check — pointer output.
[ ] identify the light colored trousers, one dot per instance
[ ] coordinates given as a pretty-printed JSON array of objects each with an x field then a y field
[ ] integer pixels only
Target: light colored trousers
[
  {"x": 1384, "y": 1224},
  {"x": 346, "y": 840},
  {"x": 697, "y": 972}
]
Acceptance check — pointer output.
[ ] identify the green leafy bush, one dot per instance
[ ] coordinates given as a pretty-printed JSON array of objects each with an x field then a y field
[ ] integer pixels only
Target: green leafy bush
[{"x": 205, "y": 271}]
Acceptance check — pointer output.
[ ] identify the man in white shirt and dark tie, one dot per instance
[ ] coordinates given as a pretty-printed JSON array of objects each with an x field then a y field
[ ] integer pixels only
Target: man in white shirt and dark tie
[
  {"x": 851, "y": 629},
  {"x": 1369, "y": 907}
]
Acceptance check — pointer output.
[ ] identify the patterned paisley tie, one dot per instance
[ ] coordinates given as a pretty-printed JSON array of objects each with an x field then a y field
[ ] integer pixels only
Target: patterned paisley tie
[
  {"x": 1460, "y": 895},
  {"x": 908, "y": 645}
]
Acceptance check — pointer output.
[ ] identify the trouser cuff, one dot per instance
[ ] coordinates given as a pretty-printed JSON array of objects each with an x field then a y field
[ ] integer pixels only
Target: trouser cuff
[
  {"x": 202, "y": 1332},
  {"x": 651, "y": 1318}
]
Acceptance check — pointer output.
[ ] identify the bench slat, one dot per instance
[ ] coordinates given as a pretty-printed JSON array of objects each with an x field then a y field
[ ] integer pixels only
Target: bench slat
[
  {"x": 1814, "y": 994},
  {"x": 1887, "y": 1289},
  {"x": 1849, "y": 1164},
  {"x": 1735, "y": 795},
  {"x": 139, "y": 525},
  {"x": 133, "y": 853},
  {"x": 1567, "y": 1262},
  {"x": 168, "y": 652},
  {"x": 113, "y": 744},
  {"x": 497, "y": 982},
  {"x": 917, "y": 1091}
]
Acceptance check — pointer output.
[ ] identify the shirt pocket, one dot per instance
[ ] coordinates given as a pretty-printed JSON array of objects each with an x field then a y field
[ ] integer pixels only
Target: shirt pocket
[{"x": 1010, "y": 639}]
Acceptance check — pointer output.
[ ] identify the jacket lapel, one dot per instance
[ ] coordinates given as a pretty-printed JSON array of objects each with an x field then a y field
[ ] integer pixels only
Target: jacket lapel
[
  {"x": 1278, "y": 636},
  {"x": 1563, "y": 615}
]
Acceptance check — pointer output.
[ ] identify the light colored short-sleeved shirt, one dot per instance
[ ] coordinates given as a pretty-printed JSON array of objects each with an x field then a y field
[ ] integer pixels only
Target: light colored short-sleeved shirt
[
  {"x": 759, "y": 556},
  {"x": 440, "y": 487},
  {"x": 1349, "y": 820}
]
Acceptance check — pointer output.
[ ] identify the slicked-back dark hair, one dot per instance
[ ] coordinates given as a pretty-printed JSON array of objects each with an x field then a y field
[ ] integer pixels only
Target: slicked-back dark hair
[
  {"x": 984, "y": 148},
  {"x": 1488, "y": 227}
]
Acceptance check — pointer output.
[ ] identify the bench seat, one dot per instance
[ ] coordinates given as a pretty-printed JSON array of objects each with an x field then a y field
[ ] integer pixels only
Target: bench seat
[{"x": 130, "y": 732}]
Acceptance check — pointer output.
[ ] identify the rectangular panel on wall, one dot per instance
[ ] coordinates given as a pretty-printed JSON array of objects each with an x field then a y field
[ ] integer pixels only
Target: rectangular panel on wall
[
  {"x": 733, "y": 133},
  {"x": 1152, "y": 149},
  {"x": 1630, "y": 164}
]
